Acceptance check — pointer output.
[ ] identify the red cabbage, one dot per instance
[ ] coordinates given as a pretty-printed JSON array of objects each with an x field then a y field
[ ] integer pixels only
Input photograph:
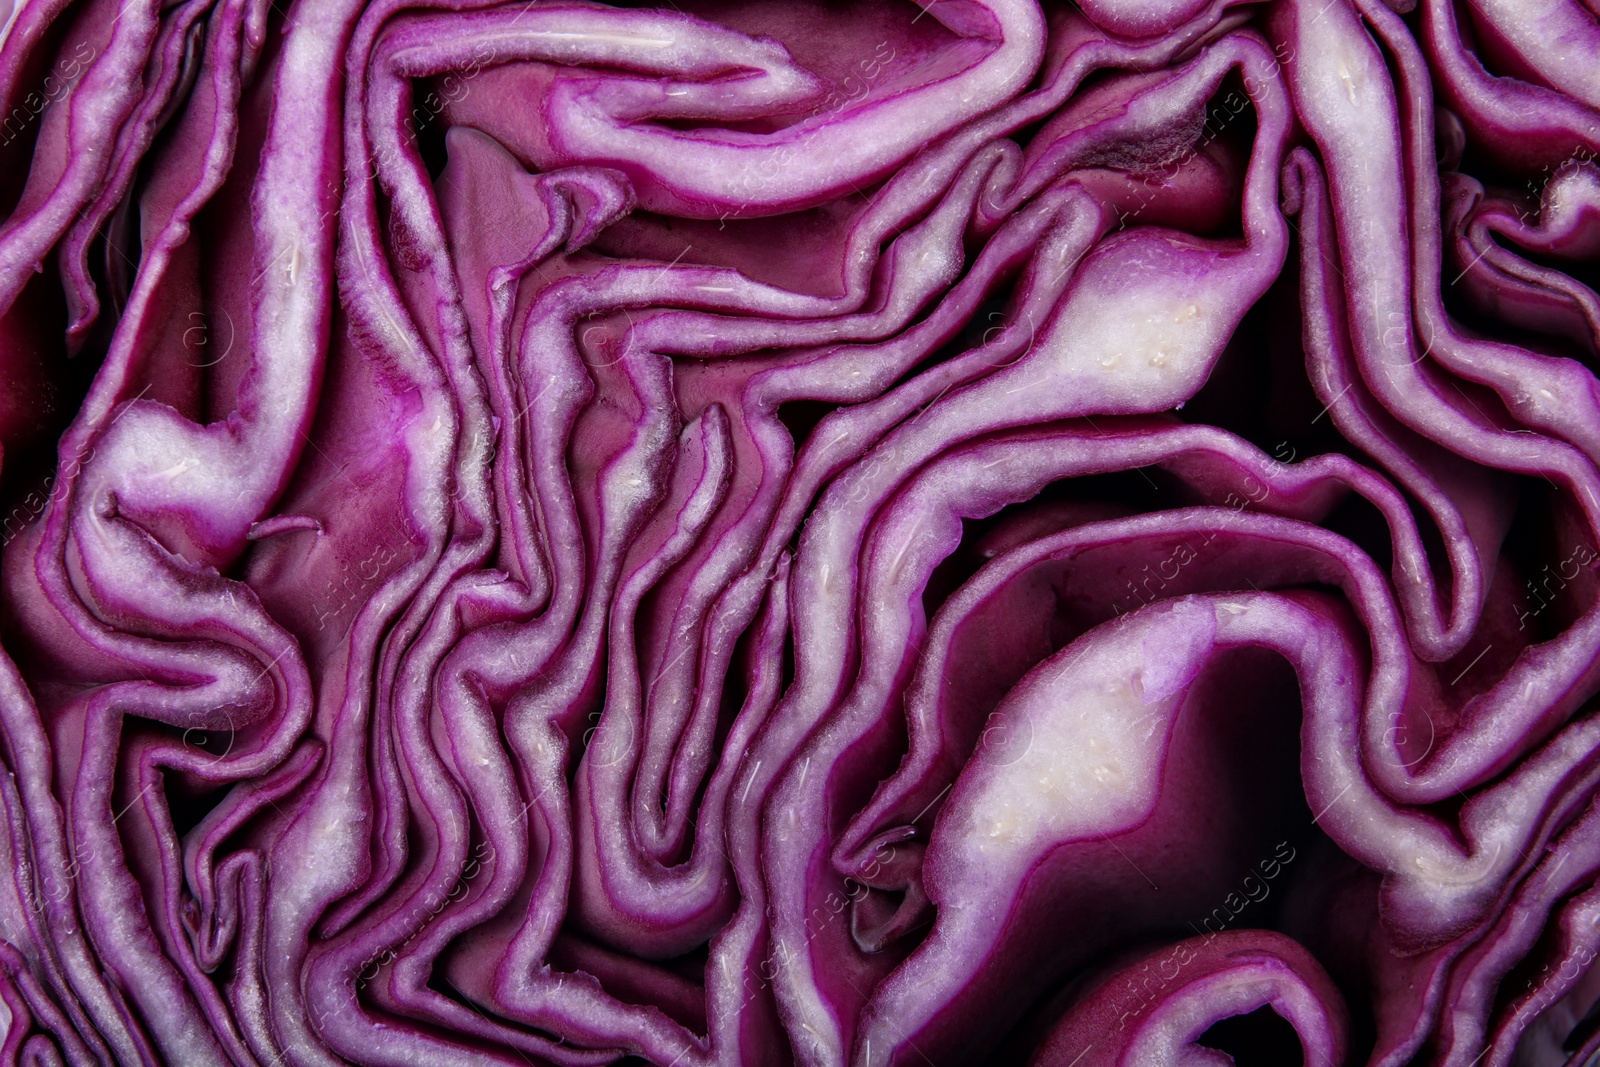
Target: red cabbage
[{"x": 745, "y": 532}]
